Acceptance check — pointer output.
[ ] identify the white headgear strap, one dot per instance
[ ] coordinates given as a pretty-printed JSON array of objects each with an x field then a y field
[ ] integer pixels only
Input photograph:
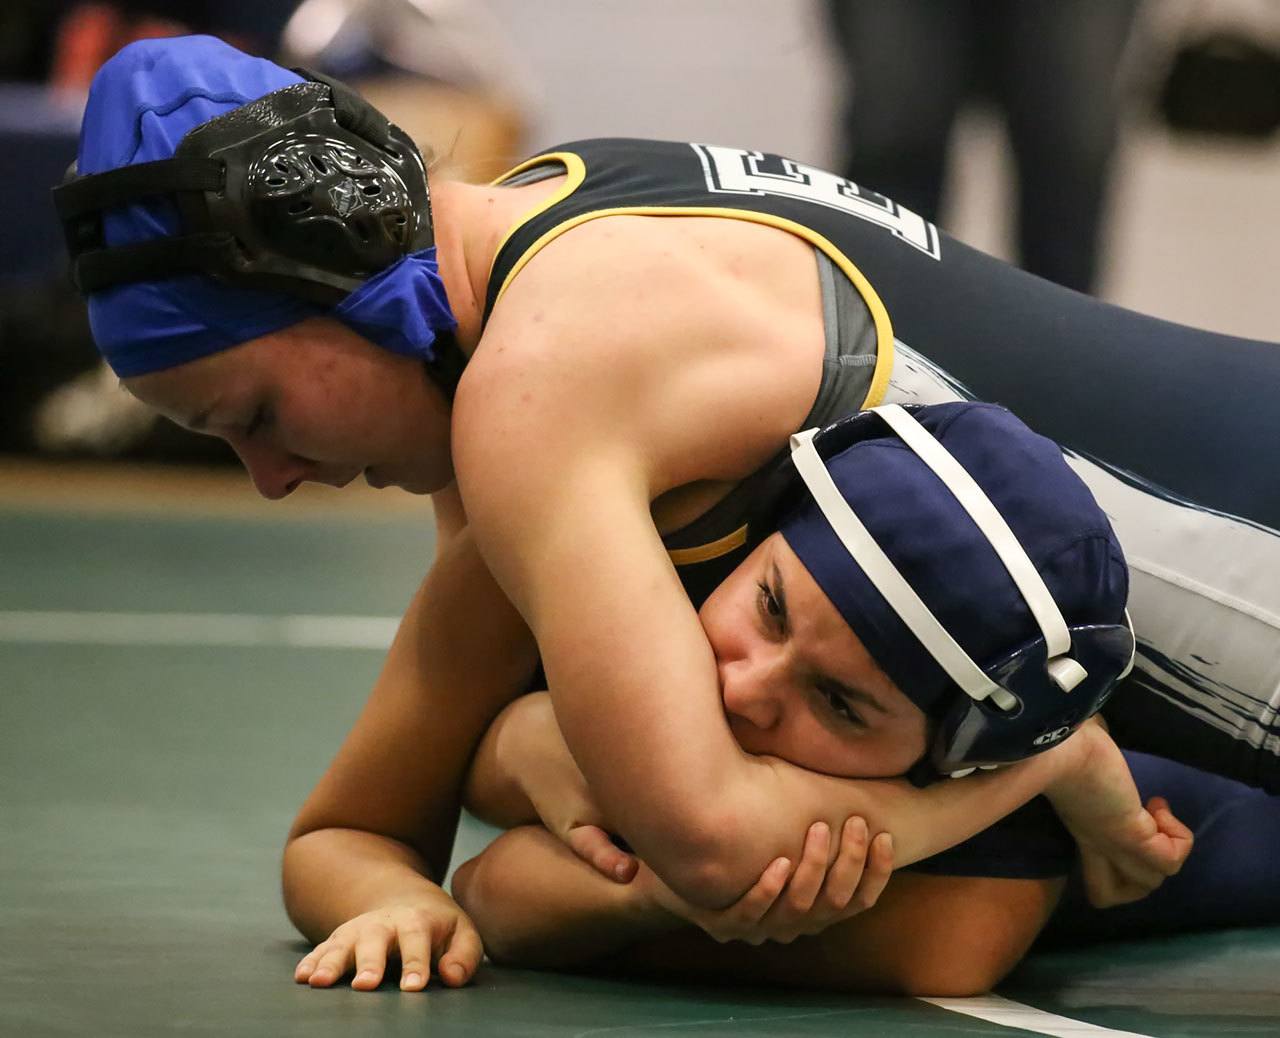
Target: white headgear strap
[{"x": 959, "y": 666}]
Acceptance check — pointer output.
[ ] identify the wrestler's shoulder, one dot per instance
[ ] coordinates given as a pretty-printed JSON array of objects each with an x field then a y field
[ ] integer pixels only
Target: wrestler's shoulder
[
  {"x": 663, "y": 328},
  {"x": 631, "y": 289}
]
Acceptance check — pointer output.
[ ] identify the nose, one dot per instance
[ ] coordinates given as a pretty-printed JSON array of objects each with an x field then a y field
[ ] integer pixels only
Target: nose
[
  {"x": 754, "y": 688},
  {"x": 275, "y": 473}
]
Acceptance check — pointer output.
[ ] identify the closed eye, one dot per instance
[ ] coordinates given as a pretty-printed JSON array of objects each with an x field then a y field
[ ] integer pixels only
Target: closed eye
[{"x": 260, "y": 420}]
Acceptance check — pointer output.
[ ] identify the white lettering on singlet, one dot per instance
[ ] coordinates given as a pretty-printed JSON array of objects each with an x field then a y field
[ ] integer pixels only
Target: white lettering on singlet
[{"x": 733, "y": 171}]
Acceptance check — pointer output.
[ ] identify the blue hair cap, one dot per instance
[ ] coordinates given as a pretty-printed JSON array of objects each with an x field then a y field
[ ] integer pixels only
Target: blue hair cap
[
  {"x": 142, "y": 102},
  {"x": 943, "y": 555}
]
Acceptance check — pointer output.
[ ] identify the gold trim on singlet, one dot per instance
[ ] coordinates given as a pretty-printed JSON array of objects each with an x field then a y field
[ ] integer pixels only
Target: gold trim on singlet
[
  {"x": 884, "y": 328},
  {"x": 710, "y": 550},
  {"x": 577, "y": 174}
]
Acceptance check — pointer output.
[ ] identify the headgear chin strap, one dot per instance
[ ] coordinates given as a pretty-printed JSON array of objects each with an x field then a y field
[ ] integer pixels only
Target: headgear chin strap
[
  {"x": 1023, "y": 703},
  {"x": 308, "y": 191}
]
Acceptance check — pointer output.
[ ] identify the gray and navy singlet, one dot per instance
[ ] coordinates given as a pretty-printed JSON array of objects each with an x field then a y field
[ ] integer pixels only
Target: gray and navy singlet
[{"x": 1175, "y": 430}]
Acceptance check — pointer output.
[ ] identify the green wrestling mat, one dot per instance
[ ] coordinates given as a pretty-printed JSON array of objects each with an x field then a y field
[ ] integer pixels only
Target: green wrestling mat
[{"x": 151, "y": 761}]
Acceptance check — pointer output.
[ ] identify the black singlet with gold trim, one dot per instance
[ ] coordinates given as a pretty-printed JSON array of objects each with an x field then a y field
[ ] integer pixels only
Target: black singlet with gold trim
[
  {"x": 1174, "y": 429},
  {"x": 657, "y": 178}
]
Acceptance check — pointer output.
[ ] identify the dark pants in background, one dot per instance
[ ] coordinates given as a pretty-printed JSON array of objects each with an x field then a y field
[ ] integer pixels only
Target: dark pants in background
[{"x": 1049, "y": 65}]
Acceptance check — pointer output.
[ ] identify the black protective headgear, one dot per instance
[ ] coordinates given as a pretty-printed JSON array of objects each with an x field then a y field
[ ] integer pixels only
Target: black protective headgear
[{"x": 307, "y": 191}]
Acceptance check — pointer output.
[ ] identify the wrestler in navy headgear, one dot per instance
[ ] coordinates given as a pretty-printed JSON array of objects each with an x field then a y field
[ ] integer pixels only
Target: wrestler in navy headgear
[{"x": 976, "y": 568}]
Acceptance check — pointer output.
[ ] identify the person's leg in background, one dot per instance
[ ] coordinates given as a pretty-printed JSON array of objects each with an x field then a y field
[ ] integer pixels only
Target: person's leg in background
[
  {"x": 1054, "y": 66},
  {"x": 907, "y": 67}
]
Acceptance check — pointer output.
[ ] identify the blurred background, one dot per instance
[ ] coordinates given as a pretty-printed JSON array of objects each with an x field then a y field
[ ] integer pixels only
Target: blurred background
[
  {"x": 1124, "y": 148},
  {"x": 179, "y": 658}
]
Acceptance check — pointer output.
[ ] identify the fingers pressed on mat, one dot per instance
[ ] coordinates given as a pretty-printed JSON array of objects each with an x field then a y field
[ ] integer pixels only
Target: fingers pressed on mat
[
  {"x": 334, "y": 962},
  {"x": 415, "y": 959},
  {"x": 370, "y": 961},
  {"x": 459, "y": 963}
]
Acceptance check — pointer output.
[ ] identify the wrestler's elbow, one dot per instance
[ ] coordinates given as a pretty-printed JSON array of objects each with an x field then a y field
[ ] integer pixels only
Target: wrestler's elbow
[
  {"x": 706, "y": 883},
  {"x": 711, "y": 862},
  {"x": 477, "y": 888}
]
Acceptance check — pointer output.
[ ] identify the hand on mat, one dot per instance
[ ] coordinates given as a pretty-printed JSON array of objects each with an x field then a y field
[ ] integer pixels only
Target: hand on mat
[
  {"x": 559, "y": 794},
  {"x": 1126, "y": 849},
  {"x": 784, "y": 903},
  {"x": 430, "y": 931}
]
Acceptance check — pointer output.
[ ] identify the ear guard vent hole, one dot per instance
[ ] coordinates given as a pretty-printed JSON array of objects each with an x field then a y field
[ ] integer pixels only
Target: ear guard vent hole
[{"x": 319, "y": 163}]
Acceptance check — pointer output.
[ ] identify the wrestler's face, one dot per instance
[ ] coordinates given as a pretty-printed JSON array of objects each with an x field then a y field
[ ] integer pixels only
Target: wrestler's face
[
  {"x": 795, "y": 680},
  {"x": 313, "y": 402}
]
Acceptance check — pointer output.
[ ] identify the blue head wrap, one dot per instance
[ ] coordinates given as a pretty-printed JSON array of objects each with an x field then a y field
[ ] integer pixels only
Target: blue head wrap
[
  {"x": 142, "y": 103},
  {"x": 943, "y": 555}
]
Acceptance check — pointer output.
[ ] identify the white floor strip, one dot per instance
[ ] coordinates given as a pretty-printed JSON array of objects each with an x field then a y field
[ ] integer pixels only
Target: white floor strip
[
  {"x": 225, "y": 629},
  {"x": 1007, "y": 1013}
]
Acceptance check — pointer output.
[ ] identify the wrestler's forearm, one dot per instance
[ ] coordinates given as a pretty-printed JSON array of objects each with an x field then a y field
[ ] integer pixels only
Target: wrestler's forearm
[
  {"x": 333, "y": 875},
  {"x": 536, "y": 904},
  {"x": 460, "y": 655},
  {"x": 923, "y": 822},
  {"x": 525, "y": 741}
]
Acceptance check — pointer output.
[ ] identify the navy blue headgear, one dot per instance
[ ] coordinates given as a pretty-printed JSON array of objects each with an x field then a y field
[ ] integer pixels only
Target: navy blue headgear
[
  {"x": 218, "y": 197},
  {"x": 976, "y": 568}
]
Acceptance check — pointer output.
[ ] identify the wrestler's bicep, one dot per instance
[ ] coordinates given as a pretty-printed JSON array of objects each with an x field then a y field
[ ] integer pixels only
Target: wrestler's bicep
[{"x": 556, "y": 470}]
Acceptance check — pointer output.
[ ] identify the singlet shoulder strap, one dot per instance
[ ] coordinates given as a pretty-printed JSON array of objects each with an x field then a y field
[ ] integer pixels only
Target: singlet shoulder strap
[
  {"x": 515, "y": 246},
  {"x": 604, "y": 176}
]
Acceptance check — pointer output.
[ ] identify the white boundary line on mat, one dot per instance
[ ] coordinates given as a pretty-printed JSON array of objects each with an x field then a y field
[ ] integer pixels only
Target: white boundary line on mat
[
  {"x": 1007, "y": 1013},
  {"x": 236, "y": 630}
]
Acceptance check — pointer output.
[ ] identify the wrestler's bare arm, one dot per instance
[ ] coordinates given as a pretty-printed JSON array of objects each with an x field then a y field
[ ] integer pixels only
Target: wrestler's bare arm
[
  {"x": 568, "y": 423},
  {"x": 538, "y": 905},
  {"x": 381, "y": 820}
]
